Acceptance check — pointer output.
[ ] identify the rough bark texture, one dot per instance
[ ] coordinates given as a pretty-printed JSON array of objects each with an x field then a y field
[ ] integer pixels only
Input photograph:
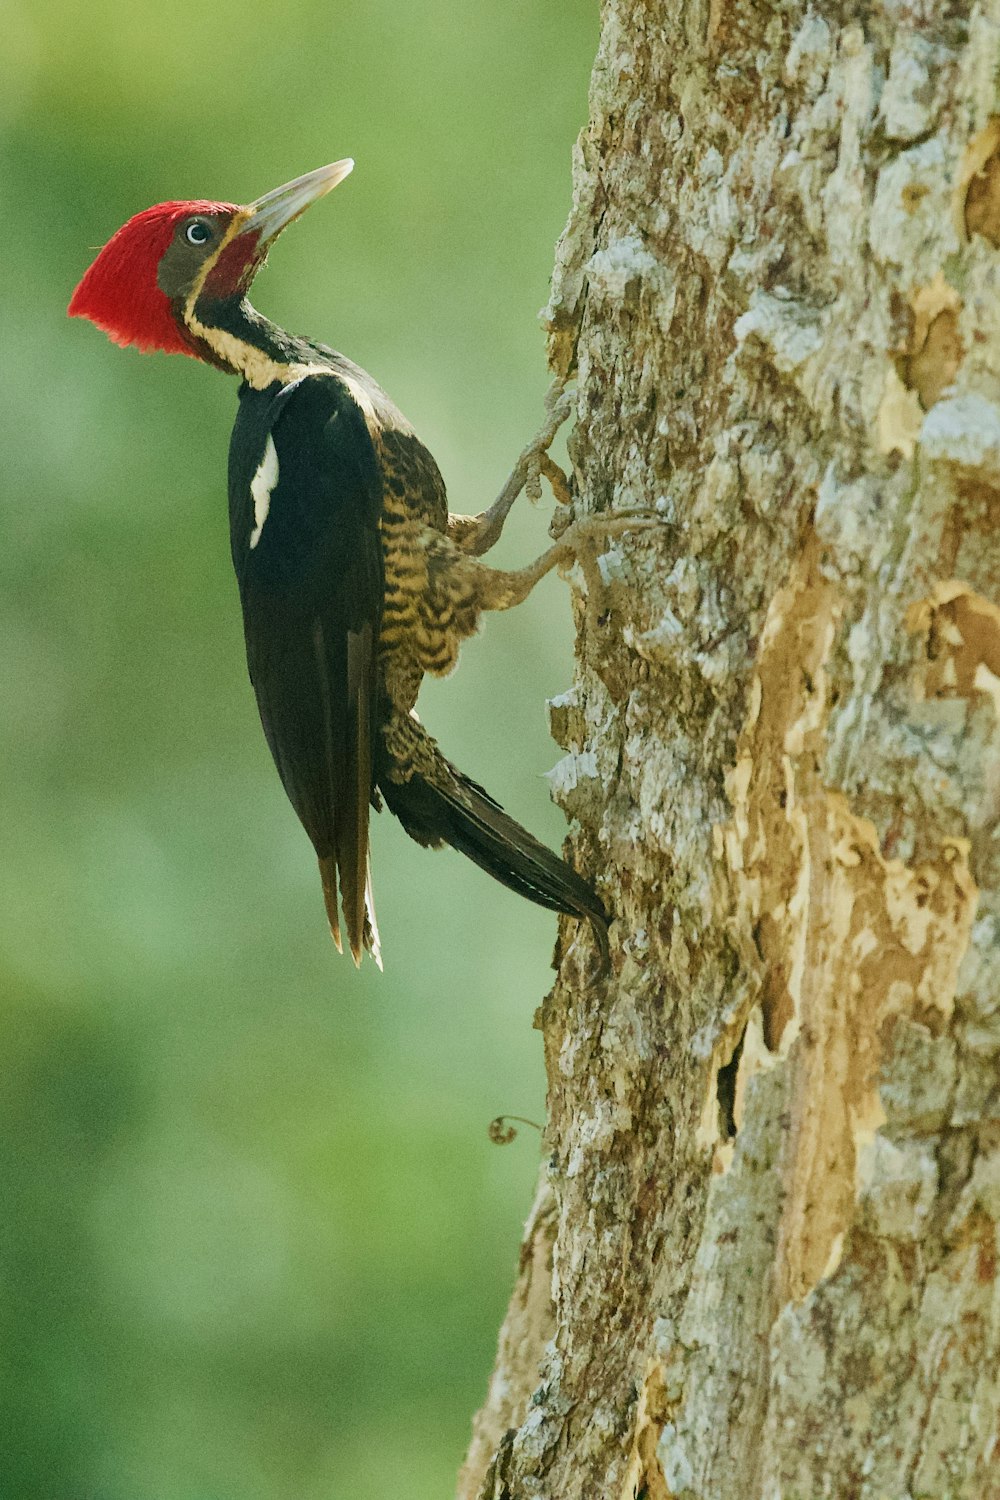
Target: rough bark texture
[{"x": 771, "y": 1202}]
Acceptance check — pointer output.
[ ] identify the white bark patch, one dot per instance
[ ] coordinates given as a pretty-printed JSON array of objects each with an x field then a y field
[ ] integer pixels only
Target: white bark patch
[
  {"x": 792, "y": 331},
  {"x": 897, "y": 1185},
  {"x": 909, "y": 103},
  {"x": 261, "y": 487},
  {"x": 965, "y": 431},
  {"x": 624, "y": 261},
  {"x": 810, "y": 54},
  {"x": 911, "y": 222}
]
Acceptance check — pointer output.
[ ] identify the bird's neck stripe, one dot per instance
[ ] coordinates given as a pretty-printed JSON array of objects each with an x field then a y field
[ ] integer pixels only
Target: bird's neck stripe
[
  {"x": 257, "y": 367},
  {"x": 362, "y": 399}
]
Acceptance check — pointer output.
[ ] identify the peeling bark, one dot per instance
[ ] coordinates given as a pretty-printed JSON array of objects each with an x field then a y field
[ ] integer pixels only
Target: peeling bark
[{"x": 764, "y": 1257}]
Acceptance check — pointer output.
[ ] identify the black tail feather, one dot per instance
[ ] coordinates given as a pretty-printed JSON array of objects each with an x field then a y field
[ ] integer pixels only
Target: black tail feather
[{"x": 454, "y": 810}]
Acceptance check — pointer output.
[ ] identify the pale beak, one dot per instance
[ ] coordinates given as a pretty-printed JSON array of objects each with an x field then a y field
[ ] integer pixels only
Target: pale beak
[{"x": 269, "y": 215}]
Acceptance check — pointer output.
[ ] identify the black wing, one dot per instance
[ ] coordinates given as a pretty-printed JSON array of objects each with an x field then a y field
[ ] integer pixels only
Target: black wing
[{"x": 305, "y": 504}]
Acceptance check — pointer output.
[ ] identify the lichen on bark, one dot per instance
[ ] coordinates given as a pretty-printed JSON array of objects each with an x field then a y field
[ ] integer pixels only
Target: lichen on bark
[{"x": 772, "y": 1181}]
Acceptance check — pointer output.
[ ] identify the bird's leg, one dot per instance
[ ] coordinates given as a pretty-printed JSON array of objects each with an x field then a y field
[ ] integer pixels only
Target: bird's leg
[
  {"x": 587, "y": 538},
  {"x": 475, "y": 535},
  {"x": 451, "y": 590},
  {"x": 497, "y": 588}
]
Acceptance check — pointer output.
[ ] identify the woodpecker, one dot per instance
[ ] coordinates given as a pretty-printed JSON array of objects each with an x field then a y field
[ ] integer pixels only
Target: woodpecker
[{"x": 354, "y": 578}]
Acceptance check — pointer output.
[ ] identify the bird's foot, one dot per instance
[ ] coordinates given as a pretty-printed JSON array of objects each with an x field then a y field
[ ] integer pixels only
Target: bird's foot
[
  {"x": 587, "y": 533},
  {"x": 477, "y": 534},
  {"x": 587, "y": 541}
]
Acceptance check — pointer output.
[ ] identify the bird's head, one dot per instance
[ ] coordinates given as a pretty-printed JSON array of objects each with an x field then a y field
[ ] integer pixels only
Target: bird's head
[{"x": 156, "y": 282}]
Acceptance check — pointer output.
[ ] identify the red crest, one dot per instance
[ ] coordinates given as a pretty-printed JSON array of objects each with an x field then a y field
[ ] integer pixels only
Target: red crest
[{"x": 120, "y": 292}]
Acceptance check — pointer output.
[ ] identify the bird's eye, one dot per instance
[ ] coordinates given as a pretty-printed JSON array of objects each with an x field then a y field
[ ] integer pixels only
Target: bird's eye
[{"x": 197, "y": 232}]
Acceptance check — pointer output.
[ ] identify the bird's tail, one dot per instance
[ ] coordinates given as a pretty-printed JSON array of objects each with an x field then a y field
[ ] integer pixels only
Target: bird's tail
[
  {"x": 368, "y": 935},
  {"x": 437, "y": 805}
]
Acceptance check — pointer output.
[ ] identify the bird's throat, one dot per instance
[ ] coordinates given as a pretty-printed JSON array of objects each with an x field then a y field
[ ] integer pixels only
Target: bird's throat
[{"x": 234, "y": 336}]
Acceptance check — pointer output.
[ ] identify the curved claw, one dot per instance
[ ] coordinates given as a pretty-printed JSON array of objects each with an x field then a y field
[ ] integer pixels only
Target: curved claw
[{"x": 479, "y": 533}]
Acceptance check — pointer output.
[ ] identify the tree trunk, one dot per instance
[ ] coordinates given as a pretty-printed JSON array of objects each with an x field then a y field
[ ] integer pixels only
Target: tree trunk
[{"x": 763, "y": 1257}]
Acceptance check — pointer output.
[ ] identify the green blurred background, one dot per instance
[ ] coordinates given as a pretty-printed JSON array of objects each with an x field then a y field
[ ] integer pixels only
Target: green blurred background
[{"x": 255, "y": 1241}]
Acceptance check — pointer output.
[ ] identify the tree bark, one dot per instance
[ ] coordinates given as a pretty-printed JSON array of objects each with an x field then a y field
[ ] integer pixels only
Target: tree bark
[{"x": 763, "y": 1257}]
